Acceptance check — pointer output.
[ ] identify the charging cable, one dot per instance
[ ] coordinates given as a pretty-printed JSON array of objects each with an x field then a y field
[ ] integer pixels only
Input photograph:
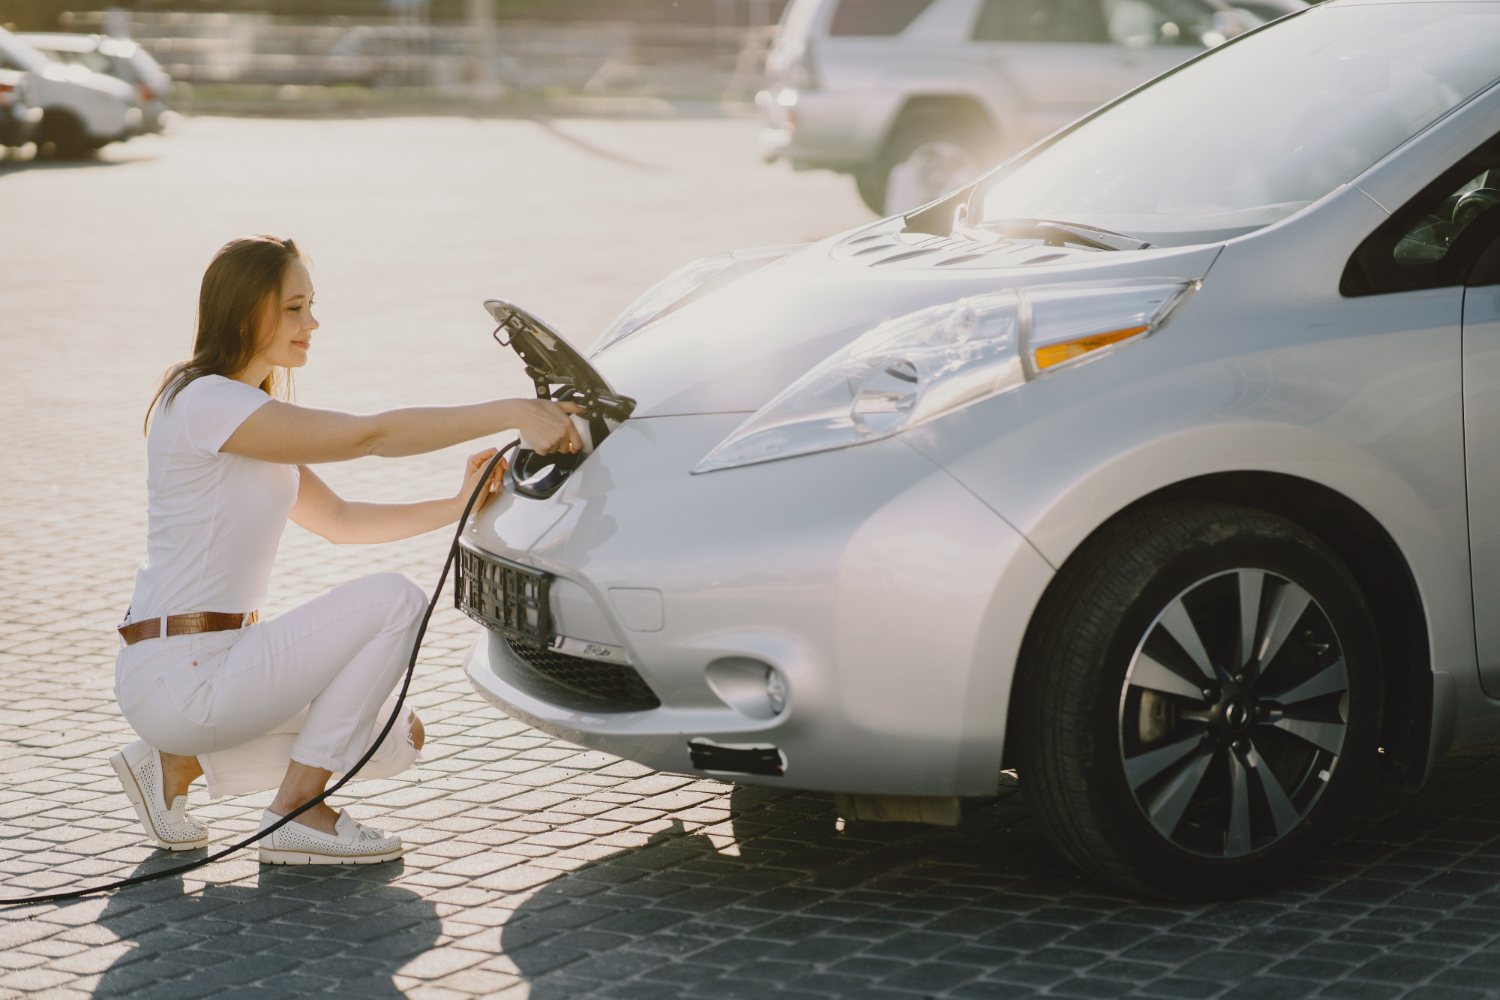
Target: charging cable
[{"x": 411, "y": 667}]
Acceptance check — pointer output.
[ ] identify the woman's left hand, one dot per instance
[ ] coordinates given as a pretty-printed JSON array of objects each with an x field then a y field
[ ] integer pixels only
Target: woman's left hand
[{"x": 473, "y": 469}]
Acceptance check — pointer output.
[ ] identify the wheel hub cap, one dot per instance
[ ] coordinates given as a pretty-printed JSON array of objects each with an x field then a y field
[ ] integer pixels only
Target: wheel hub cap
[{"x": 1233, "y": 713}]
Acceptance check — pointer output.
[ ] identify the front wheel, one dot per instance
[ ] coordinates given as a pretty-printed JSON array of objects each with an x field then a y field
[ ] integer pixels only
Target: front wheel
[
  {"x": 924, "y": 158},
  {"x": 1200, "y": 697},
  {"x": 62, "y": 137}
]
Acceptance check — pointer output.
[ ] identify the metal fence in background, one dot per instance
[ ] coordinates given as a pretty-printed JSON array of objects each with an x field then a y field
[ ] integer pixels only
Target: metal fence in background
[{"x": 614, "y": 57}]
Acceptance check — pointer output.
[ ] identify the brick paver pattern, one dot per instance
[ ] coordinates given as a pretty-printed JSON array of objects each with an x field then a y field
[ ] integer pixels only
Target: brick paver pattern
[{"x": 537, "y": 868}]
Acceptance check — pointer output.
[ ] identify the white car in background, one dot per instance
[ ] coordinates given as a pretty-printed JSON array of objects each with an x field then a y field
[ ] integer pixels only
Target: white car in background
[
  {"x": 116, "y": 57},
  {"x": 81, "y": 110},
  {"x": 1161, "y": 464},
  {"x": 917, "y": 97}
]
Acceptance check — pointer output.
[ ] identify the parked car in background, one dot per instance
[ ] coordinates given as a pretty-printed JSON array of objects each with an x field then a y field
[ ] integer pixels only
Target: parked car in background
[
  {"x": 81, "y": 110},
  {"x": 917, "y": 97},
  {"x": 119, "y": 58},
  {"x": 1161, "y": 464},
  {"x": 19, "y": 115}
]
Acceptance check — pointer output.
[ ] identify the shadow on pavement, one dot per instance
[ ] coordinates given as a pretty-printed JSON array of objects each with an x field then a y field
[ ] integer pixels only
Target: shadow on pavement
[
  {"x": 987, "y": 910},
  {"x": 299, "y": 931},
  {"x": 777, "y": 900},
  {"x": 791, "y": 893}
]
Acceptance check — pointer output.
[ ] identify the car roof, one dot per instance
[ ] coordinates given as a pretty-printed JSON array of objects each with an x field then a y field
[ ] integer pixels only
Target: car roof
[{"x": 61, "y": 41}]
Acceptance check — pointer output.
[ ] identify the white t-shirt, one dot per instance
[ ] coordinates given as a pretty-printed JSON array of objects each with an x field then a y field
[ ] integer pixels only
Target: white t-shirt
[{"x": 214, "y": 519}]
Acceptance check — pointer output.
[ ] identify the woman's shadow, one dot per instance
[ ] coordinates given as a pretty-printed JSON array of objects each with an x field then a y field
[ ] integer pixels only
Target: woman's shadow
[{"x": 294, "y": 932}]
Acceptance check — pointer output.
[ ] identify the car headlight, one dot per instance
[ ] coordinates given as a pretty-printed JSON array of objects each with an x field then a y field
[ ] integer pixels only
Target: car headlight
[
  {"x": 910, "y": 370},
  {"x": 686, "y": 284}
]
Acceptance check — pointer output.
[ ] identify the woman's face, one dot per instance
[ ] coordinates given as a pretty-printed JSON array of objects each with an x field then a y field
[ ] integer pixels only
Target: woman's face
[{"x": 286, "y": 333}]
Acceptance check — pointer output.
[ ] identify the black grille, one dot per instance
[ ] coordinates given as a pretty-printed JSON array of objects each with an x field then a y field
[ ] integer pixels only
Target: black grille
[
  {"x": 599, "y": 686},
  {"x": 513, "y": 600}
]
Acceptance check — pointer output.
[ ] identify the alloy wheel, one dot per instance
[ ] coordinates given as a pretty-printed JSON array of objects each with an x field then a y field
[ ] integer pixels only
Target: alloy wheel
[{"x": 1233, "y": 713}]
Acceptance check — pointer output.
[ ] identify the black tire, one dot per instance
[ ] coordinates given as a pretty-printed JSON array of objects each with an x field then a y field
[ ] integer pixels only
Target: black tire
[
  {"x": 61, "y": 136},
  {"x": 969, "y": 132},
  {"x": 1096, "y": 715}
]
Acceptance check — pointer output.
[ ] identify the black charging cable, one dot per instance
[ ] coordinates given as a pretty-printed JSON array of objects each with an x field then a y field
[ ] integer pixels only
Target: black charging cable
[{"x": 411, "y": 667}]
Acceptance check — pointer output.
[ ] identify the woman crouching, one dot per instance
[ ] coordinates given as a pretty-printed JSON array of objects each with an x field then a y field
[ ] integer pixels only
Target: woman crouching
[{"x": 293, "y": 700}]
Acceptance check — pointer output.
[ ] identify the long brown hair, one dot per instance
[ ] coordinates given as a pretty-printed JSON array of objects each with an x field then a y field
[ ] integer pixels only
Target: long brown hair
[{"x": 242, "y": 284}]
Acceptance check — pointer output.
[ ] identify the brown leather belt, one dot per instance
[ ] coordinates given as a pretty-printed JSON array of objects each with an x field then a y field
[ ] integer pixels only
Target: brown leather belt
[{"x": 198, "y": 621}]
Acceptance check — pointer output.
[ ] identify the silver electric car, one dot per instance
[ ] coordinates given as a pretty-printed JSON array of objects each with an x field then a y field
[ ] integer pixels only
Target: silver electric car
[{"x": 1162, "y": 464}]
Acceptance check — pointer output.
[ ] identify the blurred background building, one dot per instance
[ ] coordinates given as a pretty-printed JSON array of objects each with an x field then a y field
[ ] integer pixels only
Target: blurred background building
[{"x": 689, "y": 49}]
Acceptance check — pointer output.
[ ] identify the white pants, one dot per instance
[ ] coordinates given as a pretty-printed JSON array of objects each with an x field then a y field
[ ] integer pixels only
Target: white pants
[{"x": 307, "y": 685}]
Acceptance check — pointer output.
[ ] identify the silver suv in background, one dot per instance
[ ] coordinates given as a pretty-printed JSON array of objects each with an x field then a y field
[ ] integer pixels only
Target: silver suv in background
[
  {"x": 917, "y": 97},
  {"x": 117, "y": 57},
  {"x": 81, "y": 110}
]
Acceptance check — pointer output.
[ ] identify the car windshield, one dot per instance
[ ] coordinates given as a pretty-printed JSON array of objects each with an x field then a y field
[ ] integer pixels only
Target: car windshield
[
  {"x": 17, "y": 54},
  {"x": 1259, "y": 129}
]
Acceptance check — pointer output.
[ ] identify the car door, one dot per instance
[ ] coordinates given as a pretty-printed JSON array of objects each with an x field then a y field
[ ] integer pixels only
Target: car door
[
  {"x": 1055, "y": 55},
  {"x": 1481, "y": 381},
  {"x": 1436, "y": 257},
  {"x": 855, "y": 45}
]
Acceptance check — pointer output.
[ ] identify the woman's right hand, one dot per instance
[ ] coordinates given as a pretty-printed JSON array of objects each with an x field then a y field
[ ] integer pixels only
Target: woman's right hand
[{"x": 545, "y": 426}]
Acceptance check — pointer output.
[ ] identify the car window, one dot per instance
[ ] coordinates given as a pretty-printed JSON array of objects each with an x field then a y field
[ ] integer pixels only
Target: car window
[
  {"x": 92, "y": 60},
  {"x": 1140, "y": 23},
  {"x": 1441, "y": 224},
  {"x": 1431, "y": 240},
  {"x": 1318, "y": 98},
  {"x": 16, "y": 54},
  {"x": 1041, "y": 21},
  {"x": 875, "y": 18},
  {"x": 96, "y": 61}
]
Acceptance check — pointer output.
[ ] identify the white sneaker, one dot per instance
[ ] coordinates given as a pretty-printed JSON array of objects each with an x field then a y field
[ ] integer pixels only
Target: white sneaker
[
  {"x": 140, "y": 771},
  {"x": 351, "y": 843}
]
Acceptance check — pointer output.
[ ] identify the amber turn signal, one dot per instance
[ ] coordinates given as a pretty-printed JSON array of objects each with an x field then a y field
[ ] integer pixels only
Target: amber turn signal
[{"x": 1056, "y": 354}]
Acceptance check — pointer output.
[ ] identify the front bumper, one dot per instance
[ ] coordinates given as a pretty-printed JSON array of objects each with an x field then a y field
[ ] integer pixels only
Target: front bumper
[{"x": 890, "y": 599}]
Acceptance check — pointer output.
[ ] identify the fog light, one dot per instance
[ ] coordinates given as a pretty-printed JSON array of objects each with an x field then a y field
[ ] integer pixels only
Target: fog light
[
  {"x": 749, "y": 686},
  {"x": 775, "y": 690}
]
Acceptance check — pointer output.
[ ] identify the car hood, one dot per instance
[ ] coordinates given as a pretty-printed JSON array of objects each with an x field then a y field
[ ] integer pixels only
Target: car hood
[{"x": 734, "y": 350}]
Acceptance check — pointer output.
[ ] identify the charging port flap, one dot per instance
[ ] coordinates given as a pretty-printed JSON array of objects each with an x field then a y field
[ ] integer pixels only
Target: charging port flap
[{"x": 559, "y": 373}]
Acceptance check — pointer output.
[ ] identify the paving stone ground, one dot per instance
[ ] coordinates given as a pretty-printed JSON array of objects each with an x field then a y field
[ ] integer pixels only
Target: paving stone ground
[{"x": 538, "y": 869}]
